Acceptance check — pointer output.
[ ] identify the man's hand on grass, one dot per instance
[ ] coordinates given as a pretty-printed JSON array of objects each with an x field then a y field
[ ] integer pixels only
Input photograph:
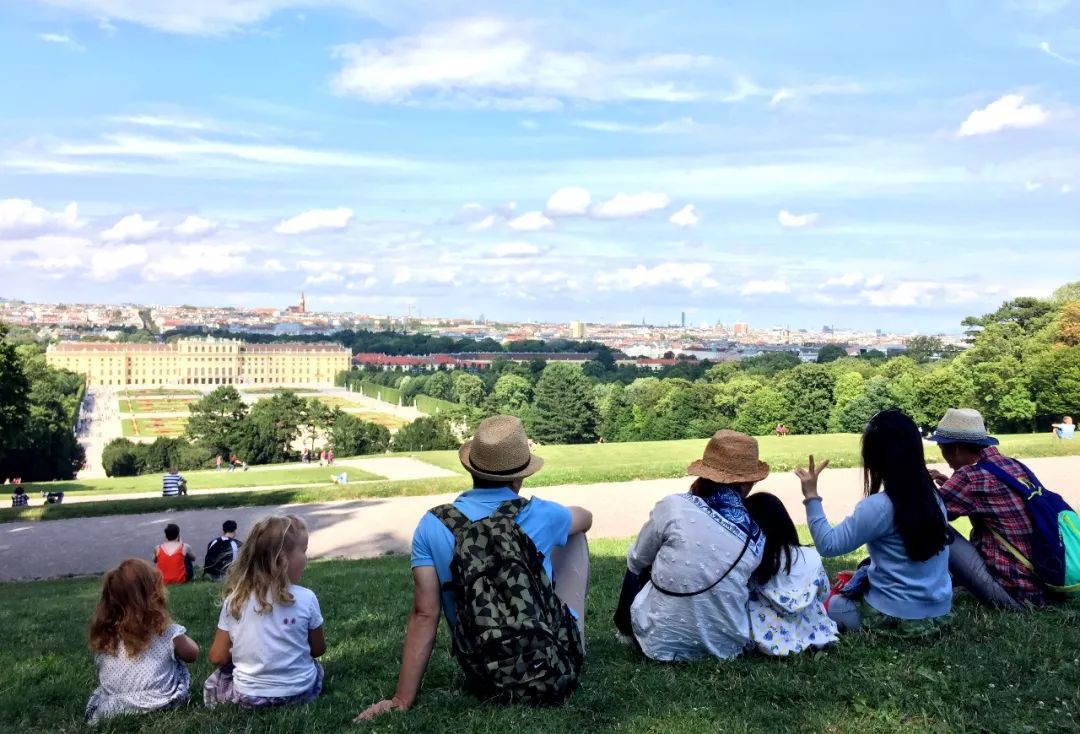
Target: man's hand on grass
[{"x": 378, "y": 709}]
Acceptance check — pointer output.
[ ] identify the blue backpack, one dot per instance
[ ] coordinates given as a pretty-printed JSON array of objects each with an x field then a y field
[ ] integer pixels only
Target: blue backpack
[{"x": 1055, "y": 541}]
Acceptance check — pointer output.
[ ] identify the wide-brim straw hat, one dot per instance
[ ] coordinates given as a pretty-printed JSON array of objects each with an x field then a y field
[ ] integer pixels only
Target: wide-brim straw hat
[
  {"x": 499, "y": 451},
  {"x": 730, "y": 458},
  {"x": 963, "y": 425}
]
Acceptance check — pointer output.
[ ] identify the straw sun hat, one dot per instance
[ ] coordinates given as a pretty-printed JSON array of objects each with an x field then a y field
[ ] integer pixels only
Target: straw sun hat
[
  {"x": 730, "y": 458},
  {"x": 499, "y": 451},
  {"x": 963, "y": 425}
]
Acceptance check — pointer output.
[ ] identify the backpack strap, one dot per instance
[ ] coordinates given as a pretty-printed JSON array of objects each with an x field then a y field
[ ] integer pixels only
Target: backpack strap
[
  {"x": 665, "y": 592},
  {"x": 1028, "y": 491},
  {"x": 510, "y": 509},
  {"x": 453, "y": 518}
]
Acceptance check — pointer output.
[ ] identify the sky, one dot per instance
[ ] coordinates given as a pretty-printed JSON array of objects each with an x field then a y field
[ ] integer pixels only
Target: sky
[{"x": 865, "y": 165}]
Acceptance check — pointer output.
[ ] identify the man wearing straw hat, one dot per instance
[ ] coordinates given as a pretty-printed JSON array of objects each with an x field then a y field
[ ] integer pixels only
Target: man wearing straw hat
[
  {"x": 499, "y": 460},
  {"x": 984, "y": 566}
]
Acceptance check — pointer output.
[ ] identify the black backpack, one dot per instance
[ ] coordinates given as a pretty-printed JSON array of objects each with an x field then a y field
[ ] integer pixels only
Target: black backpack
[
  {"x": 513, "y": 637},
  {"x": 219, "y": 557}
]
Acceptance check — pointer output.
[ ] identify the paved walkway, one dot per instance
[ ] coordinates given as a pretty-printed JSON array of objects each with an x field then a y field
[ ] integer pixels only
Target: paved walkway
[
  {"x": 366, "y": 528},
  {"x": 393, "y": 469}
]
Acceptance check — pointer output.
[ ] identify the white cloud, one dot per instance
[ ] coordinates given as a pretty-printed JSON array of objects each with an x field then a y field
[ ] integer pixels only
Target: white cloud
[
  {"x": 680, "y": 126},
  {"x": 1045, "y": 48},
  {"x": 106, "y": 263},
  {"x": 158, "y": 121},
  {"x": 132, "y": 228},
  {"x": 487, "y": 62},
  {"x": 1032, "y": 185},
  {"x": 765, "y": 287},
  {"x": 273, "y": 265},
  {"x": 55, "y": 38},
  {"x": 623, "y": 206},
  {"x": 425, "y": 276},
  {"x": 21, "y": 217},
  {"x": 484, "y": 224},
  {"x": 691, "y": 276},
  {"x": 687, "y": 217},
  {"x": 316, "y": 220},
  {"x": 568, "y": 201},
  {"x": 821, "y": 89},
  {"x": 797, "y": 221},
  {"x": 1066, "y": 188},
  {"x": 215, "y": 260},
  {"x": 530, "y": 222},
  {"x": 1006, "y": 112},
  {"x": 515, "y": 249},
  {"x": 195, "y": 226},
  {"x": 195, "y": 17},
  {"x": 327, "y": 276}
]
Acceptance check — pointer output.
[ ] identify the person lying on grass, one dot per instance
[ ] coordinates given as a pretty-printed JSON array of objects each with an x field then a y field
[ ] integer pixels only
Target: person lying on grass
[
  {"x": 686, "y": 588},
  {"x": 905, "y": 588},
  {"x": 270, "y": 629},
  {"x": 518, "y": 627},
  {"x": 138, "y": 650},
  {"x": 787, "y": 591}
]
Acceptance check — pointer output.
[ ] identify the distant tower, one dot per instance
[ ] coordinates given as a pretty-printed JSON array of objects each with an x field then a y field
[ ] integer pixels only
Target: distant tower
[
  {"x": 303, "y": 303},
  {"x": 684, "y": 319},
  {"x": 577, "y": 329}
]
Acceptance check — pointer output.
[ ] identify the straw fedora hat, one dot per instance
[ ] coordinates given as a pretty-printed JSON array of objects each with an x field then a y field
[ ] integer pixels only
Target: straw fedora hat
[
  {"x": 963, "y": 425},
  {"x": 499, "y": 451},
  {"x": 730, "y": 458}
]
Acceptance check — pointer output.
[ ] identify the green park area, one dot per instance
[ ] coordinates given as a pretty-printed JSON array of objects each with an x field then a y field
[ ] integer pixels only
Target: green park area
[
  {"x": 153, "y": 427},
  {"x": 157, "y": 392},
  {"x": 275, "y": 390},
  {"x": 155, "y": 405},
  {"x": 993, "y": 672},
  {"x": 392, "y": 422}
]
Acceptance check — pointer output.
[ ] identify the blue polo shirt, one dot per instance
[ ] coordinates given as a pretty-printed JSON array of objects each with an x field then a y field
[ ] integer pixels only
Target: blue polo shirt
[{"x": 546, "y": 523}]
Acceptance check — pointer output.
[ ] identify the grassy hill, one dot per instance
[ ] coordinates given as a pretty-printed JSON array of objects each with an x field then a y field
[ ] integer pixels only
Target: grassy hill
[{"x": 993, "y": 673}]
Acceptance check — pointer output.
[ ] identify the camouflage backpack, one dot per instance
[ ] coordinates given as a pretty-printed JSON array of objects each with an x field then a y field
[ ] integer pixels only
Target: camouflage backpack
[{"x": 514, "y": 638}]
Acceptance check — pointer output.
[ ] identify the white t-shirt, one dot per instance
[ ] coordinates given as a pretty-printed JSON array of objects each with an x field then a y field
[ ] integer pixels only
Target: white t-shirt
[{"x": 270, "y": 651}]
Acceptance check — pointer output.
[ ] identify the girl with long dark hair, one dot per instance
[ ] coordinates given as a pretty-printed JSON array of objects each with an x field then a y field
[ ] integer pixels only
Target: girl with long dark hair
[
  {"x": 906, "y": 587},
  {"x": 788, "y": 589}
]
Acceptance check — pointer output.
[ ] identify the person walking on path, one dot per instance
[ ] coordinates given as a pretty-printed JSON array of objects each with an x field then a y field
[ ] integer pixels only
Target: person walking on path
[
  {"x": 491, "y": 524},
  {"x": 984, "y": 566},
  {"x": 173, "y": 484},
  {"x": 905, "y": 589},
  {"x": 687, "y": 583}
]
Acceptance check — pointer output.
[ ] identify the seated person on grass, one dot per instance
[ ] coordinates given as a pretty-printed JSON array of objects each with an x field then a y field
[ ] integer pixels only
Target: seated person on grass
[
  {"x": 984, "y": 566},
  {"x": 221, "y": 552},
  {"x": 905, "y": 588},
  {"x": 1066, "y": 429},
  {"x": 472, "y": 538},
  {"x": 174, "y": 558},
  {"x": 173, "y": 484}
]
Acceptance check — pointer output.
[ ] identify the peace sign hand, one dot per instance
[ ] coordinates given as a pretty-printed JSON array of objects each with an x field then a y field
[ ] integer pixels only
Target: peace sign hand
[{"x": 809, "y": 477}]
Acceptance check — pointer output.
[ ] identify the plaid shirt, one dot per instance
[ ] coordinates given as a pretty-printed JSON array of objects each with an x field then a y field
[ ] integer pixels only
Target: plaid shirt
[
  {"x": 20, "y": 500},
  {"x": 977, "y": 494}
]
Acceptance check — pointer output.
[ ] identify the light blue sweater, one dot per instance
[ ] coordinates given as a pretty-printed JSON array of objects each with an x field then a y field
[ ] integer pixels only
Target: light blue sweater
[{"x": 899, "y": 587}]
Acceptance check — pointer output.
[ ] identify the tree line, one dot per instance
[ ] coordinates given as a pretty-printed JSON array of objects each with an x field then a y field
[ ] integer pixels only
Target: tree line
[
  {"x": 39, "y": 406},
  {"x": 1021, "y": 370}
]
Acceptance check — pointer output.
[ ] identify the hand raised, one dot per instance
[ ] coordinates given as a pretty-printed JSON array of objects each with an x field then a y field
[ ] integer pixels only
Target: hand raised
[
  {"x": 938, "y": 477},
  {"x": 809, "y": 476}
]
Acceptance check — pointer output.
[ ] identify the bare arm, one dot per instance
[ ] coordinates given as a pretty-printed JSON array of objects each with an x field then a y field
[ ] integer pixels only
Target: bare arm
[
  {"x": 188, "y": 552},
  {"x": 419, "y": 642},
  {"x": 316, "y": 641},
  {"x": 580, "y": 520},
  {"x": 221, "y": 649},
  {"x": 185, "y": 648}
]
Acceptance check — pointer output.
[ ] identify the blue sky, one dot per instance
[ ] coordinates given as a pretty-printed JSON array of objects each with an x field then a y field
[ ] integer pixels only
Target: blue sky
[{"x": 803, "y": 164}]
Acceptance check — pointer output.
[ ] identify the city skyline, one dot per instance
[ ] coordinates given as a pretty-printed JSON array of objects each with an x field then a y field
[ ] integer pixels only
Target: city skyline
[{"x": 869, "y": 167}]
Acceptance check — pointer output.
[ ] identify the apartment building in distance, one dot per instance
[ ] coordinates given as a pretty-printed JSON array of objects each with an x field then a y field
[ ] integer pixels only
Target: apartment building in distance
[{"x": 197, "y": 361}]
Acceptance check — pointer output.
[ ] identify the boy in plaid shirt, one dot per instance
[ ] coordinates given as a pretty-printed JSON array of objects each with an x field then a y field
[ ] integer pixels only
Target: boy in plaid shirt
[{"x": 984, "y": 566}]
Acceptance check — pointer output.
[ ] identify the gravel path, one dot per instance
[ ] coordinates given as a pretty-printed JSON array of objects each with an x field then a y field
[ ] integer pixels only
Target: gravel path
[{"x": 366, "y": 528}]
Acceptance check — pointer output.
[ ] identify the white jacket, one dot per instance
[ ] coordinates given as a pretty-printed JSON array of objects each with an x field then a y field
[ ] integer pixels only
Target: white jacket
[{"x": 689, "y": 546}]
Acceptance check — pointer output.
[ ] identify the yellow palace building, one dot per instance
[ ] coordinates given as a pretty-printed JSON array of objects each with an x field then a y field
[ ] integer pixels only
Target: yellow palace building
[{"x": 196, "y": 361}]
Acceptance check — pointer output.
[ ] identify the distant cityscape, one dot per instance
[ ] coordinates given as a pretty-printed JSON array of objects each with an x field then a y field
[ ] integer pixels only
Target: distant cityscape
[{"x": 716, "y": 341}]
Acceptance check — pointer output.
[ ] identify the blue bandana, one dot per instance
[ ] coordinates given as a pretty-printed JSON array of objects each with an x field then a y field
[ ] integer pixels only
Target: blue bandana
[{"x": 727, "y": 503}]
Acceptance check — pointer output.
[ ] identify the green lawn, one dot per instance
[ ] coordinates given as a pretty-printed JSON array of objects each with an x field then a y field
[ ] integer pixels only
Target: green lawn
[
  {"x": 255, "y": 477},
  {"x": 274, "y": 390},
  {"x": 156, "y": 405},
  {"x": 153, "y": 427},
  {"x": 392, "y": 422},
  {"x": 993, "y": 673},
  {"x": 617, "y": 462},
  {"x": 157, "y": 392}
]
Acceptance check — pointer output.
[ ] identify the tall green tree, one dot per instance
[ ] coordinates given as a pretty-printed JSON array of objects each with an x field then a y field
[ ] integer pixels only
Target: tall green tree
[
  {"x": 14, "y": 396},
  {"x": 440, "y": 385},
  {"x": 939, "y": 390},
  {"x": 351, "y": 436},
  {"x": 468, "y": 389},
  {"x": 849, "y": 386},
  {"x": 923, "y": 348},
  {"x": 762, "y": 411},
  {"x": 1055, "y": 383},
  {"x": 563, "y": 411},
  {"x": 216, "y": 420},
  {"x": 271, "y": 427},
  {"x": 830, "y": 353},
  {"x": 512, "y": 394},
  {"x": 425, "y": 434},
  {"x": 808, "y": 393}
]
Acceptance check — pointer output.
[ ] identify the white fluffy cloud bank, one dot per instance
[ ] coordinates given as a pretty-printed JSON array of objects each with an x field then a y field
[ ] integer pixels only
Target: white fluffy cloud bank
[
  {"x": 1006, "y": 112},
  {"x": 316, "y": 220},
  {"x": 195, "y": 226},
  {"x": 687, "y": 217},
  {"x": 132, "y": 228},
  {"x": 21, "y": 217},
  {"x": 797, "y": 221},
  {"x": 569, "y": 201},
  {"x": 531, "y": 222},
  {"x": 625, "y": 206}
]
